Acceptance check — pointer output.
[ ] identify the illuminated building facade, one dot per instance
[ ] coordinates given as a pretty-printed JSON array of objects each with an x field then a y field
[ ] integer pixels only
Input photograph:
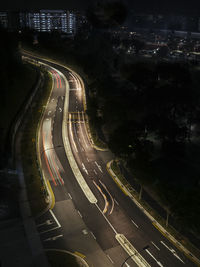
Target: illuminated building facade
[{"x": 49, "y": 20}]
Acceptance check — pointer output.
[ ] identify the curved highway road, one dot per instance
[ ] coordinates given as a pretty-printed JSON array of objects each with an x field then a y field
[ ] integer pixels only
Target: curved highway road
[{"x": 94, "y": 231}]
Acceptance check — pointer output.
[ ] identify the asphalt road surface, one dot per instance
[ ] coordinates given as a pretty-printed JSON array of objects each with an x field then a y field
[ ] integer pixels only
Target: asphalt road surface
[{"x": 74, "y": 223}]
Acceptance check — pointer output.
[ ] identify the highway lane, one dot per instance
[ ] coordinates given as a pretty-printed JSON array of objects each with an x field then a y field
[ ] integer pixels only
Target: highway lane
[
  {"x": 125, "y": 217},
  {"x": 74, "y": 236}
]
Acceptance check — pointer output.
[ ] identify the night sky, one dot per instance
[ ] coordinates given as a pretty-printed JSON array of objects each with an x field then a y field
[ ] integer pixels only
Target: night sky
[{"x": 157, "y": 6}]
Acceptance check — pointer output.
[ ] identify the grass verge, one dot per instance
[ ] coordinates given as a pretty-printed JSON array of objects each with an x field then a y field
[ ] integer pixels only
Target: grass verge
[
  {"x": 62, "y": 259},
  {"x": 34, "y": 183},
  {"x": 184, "y": 241}
]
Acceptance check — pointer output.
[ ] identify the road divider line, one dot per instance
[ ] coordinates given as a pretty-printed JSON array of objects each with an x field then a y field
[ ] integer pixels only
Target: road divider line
[
  {"x": 131, "y": 251},
  {"x": 172, "y": 251},
  {"x": 84, "y": 168},
  {"x": 135, "y": 224},
  {"x": 79, "y": 214},
  {"x": 98, "y": 166},
  {"x": 93, "y": 235},
  {"x": 106, "y": 219},
  {"x": 79, "y": 118},
  {"x": 116, "y": 202},
  {"x": 110, "y": 259},
  {"x": 55, "y": 218},
  {"x": 155, "y": 245},
  {"x": 158, "y": 262},
  {"x": 70, "y": 130}
]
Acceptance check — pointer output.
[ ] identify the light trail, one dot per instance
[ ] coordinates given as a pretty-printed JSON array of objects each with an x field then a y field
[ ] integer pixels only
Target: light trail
[
  {"x": 79, "y": 119},
  {"x": 104, "y": 196},
  {"x": 53, "y": 72},
  {"x": 59, "y": 78},
  {"x": 113, "y": 204},
  {"x": 71, "y": 133},
  {"x": 47, "y": 163}
]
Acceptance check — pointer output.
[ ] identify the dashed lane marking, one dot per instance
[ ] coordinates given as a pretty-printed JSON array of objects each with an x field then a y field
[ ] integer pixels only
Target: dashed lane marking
[
  {"x": 155, "y": 245},
  {"x": 135, "y": 224}
]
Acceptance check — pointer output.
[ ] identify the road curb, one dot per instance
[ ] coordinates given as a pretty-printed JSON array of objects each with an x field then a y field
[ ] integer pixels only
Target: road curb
[
  {"x": 156, "y": 224},
  {"x": 73, "y": 254},
  {"x": 51, "y": 200}
]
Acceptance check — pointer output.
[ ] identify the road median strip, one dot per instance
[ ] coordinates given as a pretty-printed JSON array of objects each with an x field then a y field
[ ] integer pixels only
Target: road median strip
[{"x": 131, "y": 251}]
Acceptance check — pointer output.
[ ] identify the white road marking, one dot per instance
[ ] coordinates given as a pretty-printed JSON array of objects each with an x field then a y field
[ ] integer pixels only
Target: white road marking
[
  {"x": 135, "y": 224},
  {"x": 172, "y": 251},
  {"x": 70, "y": 195},
  {"x": 110, "y": 259},
  {"x": 60, "y": 109},
  {"x": 95, "y": 172},
  {"x": 159, "y": 263},
  {"x": 52, "y": 99},
  {"x": 77, "y": 138},
  {"x": 155, "y": 245},
  {"x": 106, "y": 218},
  {"x": 99, "y": 167},
  {"x": 49, "y": 230},
  {"x": 70, "y": 128},
  {"x": 79, "y": 119},
  {"x": 116, "y": 202},
  {"x": 93, "y": 235},
  {"x": 84, "y": 168},
  {"x": 53, "y": 238},
  {"x": 88, "y": 160},
  {"x": 47, "y": 222},
  {"x": 55, "y": 218},
  {"x": 79, "y": 214}
]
